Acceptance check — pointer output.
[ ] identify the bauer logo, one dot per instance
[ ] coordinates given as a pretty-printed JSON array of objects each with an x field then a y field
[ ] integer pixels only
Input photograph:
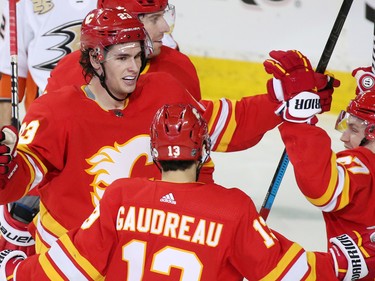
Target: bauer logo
[{"x": 21, "y": 240}]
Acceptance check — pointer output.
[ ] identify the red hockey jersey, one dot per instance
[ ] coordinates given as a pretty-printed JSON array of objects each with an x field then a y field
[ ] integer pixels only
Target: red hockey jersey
[
  {"x": 154, "y": 230},
  {"x": 69, "y": 72},
  {"x": 340, "y": 185},
  {"x": 71, "y": 149}
]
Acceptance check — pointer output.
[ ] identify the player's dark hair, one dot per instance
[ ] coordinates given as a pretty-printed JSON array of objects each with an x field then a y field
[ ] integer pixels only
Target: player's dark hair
[
  {"x": 87, "y": 69},
  {"x": 176, "y": 165}
]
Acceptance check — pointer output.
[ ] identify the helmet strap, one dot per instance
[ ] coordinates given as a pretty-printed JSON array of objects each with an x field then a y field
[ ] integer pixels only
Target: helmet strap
[{"x": 104, "y": 85}]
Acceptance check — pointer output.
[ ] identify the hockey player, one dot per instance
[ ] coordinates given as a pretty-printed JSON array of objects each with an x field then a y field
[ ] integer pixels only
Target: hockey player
[
  {"x": 340, "y": 184},
  {"x": 164, "y": 59},
  {"x": 38, "y": 32},
  {"x": 75, "y": 142},
  {"x": 47, "y": 31},
  {"x": 146, "y": 229}
]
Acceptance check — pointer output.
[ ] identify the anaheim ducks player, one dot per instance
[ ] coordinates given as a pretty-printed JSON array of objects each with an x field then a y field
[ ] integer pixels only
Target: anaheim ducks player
[
  {"x": 181, "y": 229},
  {"x": 47, "y": 31}
]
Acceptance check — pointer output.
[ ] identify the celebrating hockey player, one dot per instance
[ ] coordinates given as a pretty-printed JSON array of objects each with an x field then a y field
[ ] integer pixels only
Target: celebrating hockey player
[
  {"x": 164, "y": 59},
  {"x": 339, "y": 184},
  {"x": 146, "y": 229},
  {"x": 36, "y": 54}
]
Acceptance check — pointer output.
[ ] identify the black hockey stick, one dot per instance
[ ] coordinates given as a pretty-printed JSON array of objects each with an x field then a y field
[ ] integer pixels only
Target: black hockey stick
[
  {"x": 322, "y": 65},
  {"x": 14, "y": 62},
  {"x": 370, "y": 15}
]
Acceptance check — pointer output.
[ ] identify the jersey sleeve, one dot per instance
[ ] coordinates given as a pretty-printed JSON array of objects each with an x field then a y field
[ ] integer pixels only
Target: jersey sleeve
[
  {"x": 83, "y": 253},
  {"x": 239, "y": 124},
  {"x": 40, "y": 150},
  {"x": 272, "y": 256},
  {"x": 328, "y": 180}
]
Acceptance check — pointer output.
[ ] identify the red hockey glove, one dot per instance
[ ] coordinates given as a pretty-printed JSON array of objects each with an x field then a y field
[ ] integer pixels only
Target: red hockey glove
[
  {"x": 365, "y": 79},
  {"x": 14, "y": 234},
  {"x": 354, "y": 255},
  {"x": 301, "y": 92},
  {"x": 9, "y": 260},
  {"x": 8, "y": 144}
]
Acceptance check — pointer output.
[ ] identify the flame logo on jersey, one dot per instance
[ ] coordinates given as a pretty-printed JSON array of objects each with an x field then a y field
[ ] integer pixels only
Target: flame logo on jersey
[
  {"x": 111, "y": 163},
  {"x": 71, "y": 31}
]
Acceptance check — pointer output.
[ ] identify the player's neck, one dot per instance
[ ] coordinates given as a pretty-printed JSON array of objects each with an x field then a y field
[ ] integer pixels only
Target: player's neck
[{"x": 188, "y": 175}]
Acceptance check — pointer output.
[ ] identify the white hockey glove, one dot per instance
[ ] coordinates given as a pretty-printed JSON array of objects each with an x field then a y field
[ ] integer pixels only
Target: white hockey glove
[
  {"x": 14, "y": 234},
  {"x": 354, "y": 255},
  {"x": 9, "y": 261}
]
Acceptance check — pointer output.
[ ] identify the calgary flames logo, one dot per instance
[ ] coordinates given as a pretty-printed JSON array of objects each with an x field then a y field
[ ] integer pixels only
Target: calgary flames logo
[{"x": 111, "y": 163}]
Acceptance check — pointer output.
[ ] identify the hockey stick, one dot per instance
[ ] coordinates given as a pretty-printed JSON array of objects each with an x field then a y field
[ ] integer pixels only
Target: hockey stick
[
  {"x": 370, "y": 15},
  {"x": 322, "y": 65},
  {"x": 14, "y": 62}
]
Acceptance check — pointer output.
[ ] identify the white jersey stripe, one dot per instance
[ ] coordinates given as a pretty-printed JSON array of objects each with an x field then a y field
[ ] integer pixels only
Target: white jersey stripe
[
  {"x": 339, "y": 188},
  {"x": 298, "y": 270},
  {"x": 38, "y": 174},
  {"x": 65, "y": 264},
  {"x": 47, "y": 237},
  {"x": 221, "y": 122}
]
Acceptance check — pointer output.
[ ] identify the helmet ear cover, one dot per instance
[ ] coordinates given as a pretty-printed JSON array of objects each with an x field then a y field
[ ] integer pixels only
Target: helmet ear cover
[{"x": 370, "y": 132}]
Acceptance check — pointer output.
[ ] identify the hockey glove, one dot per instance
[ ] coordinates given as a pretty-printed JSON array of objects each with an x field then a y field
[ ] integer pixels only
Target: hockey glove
[
  {"x": 365, "y": 79},
  {"x": 14, "y": 234},
  {"x": 9, "y": 260},
  {"x": 301, "y": 92},
  {"x": 8, "y": 144},
  {"x": 354, "y": 255}
]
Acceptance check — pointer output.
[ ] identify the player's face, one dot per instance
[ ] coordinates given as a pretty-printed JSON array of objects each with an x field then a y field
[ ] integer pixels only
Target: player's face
[
  {"x": 122, "y": 66},
  {"x": 156, "y": 26},
  {"x": 354, "y": 132}
]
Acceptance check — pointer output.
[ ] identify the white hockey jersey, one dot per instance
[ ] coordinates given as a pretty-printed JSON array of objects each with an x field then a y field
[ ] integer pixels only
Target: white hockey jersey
[{"x": 47, "y": 31}]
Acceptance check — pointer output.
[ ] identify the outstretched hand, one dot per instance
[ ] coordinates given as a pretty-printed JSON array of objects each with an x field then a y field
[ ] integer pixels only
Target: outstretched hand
[{"x": 300, "y": 91}]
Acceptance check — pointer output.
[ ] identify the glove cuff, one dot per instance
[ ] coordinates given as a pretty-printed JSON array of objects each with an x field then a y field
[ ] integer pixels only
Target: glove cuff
[
  {"x": 11, "y": 233},
  {"x": 5, "y": 257},
  {"x": 350, "y": 258}
]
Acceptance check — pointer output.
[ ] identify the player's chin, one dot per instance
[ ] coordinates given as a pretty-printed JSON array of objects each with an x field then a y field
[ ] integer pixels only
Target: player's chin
[
  {"x": 156, "y": 49},
  {"x": 129, "y": 86}
]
